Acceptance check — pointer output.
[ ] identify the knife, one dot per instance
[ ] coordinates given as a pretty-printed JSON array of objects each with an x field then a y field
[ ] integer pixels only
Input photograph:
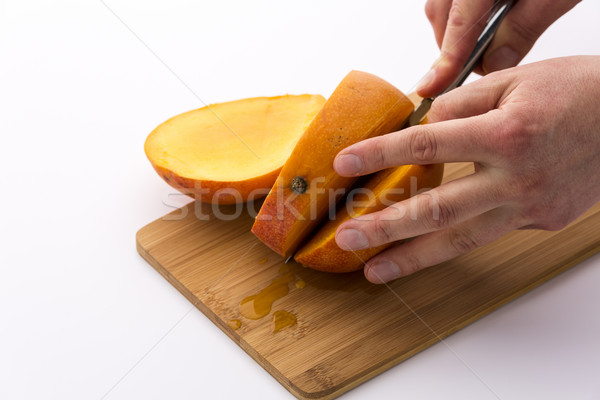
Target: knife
[{"x": 499, "y": 11}]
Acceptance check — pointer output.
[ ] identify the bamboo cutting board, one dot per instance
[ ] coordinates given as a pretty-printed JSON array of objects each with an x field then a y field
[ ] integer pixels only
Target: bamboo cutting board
[{"x": 319, "y": 334}]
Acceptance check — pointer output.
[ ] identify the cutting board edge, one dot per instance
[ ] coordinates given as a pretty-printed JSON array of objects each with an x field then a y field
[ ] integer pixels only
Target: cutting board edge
[{"x": 351, "y": 383}]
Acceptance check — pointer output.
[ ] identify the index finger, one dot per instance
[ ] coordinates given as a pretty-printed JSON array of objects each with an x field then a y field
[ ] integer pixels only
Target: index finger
[
  {"x": 466, "y": 21},
  {"x": 466, "y": 139}
]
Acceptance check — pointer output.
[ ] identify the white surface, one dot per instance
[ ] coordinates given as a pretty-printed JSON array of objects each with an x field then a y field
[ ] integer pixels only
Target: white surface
[{"x": 84, "y": 317}]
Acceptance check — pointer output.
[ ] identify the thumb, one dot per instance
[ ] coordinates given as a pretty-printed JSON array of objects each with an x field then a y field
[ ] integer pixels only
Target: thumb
[{"x": 517, "y": 34}]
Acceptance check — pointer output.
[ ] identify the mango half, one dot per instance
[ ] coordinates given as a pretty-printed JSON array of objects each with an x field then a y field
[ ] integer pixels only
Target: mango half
[
  {"x": 230, "y": 152},
  {"x": 362, "y": 106}
]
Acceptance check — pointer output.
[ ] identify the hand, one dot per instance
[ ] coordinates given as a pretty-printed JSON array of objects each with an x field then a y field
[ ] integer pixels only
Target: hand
[
  {"x": 533, "y": 133},
  {"x": 458, "y": 23}
]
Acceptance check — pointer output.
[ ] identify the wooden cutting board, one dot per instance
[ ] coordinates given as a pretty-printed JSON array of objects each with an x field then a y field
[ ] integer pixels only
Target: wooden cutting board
[{"x": 346, "y": 330}]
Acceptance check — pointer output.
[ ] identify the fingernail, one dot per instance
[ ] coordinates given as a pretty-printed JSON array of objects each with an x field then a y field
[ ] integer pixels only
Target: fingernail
[
  {"x": 348, "y": 164},
  {"x": 351, "y": 239},
  {"x": 383, "y": 271},
  {"x": 426, "y": 80},
  {"x": 501, "y": 58}
]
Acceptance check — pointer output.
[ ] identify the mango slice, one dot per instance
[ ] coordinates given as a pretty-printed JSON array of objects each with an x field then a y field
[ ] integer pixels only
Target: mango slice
[{"x": 381, "y": 190}]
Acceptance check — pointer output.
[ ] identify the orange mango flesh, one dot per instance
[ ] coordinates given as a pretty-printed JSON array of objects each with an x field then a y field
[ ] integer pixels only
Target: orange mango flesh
[
  {"x": 362, "y": 106},
  {"x": 382, "y": 189},
  {"x": 229, "y": 152}
]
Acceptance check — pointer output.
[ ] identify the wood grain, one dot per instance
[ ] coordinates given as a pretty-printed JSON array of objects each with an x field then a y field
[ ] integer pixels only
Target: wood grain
[{"x": 347, "y": 329}]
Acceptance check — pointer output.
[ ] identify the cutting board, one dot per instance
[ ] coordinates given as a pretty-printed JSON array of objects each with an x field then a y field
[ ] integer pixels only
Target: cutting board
[{"x": 321, "y": 334}]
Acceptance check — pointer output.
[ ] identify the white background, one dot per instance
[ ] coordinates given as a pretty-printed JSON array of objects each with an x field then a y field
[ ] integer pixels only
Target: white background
[{"x": 82, "y": 316}]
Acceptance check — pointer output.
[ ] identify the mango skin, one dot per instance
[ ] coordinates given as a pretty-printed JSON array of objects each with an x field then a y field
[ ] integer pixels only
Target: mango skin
[
  {"x": 196, "y": 153},
  {"x": 322, "y": 253},
  {"x": 362, "y": 106},
  {"x": 228, "y": 192}
]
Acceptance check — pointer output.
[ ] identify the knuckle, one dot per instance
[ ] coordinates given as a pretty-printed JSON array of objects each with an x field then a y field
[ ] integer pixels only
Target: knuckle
[
  {"x": 378, "y": 155},
  {"x": 517, "y": 147},
  {"x": 452, "y": 59},
  {"x": 533, "y": 182},
  {"x": 446, "y": 215},
  {"x": 439, "y": 109},
  {"x": 527, "y": 186},
  {"x": 509, "y": 140},
  {"x": 457, "y": 17},
  {"x": 411, "y": 264},
  {"x": 515, "y": 138},
  {"x": 431, "y": 10},
  {"x": 462, "y": 241},
  {"x": 523, "y": 30},
  {"x": 383, "y": 230},
  {"x": 423, "y": 146},
  {"x": 438, "y": 214}
]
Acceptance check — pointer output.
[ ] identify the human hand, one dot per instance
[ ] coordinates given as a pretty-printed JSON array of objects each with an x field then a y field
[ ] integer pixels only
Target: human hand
[
  {"x": 533, "y": 133},
  {"x": 458, "y": 23}
]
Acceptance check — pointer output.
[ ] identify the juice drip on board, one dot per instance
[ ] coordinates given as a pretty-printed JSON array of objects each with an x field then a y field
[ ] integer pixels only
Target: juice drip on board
[
  {"x": 282, "y": 319},
  {"x": 234, "y": 324},
  {"x": 259, "y": 305}
]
